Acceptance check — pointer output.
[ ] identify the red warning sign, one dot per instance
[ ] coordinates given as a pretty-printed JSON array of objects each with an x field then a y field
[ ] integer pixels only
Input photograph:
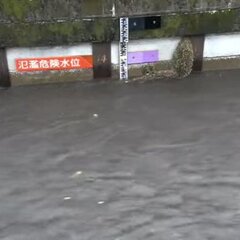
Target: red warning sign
[{"x": 54, "y": 63}]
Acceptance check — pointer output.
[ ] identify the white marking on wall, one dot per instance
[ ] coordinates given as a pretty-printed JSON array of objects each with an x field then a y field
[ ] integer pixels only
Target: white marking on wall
[
  {"x": 166, "y": 48},
  {"x": 41, "y": 52},
  {"x": 224, "y": 45}
]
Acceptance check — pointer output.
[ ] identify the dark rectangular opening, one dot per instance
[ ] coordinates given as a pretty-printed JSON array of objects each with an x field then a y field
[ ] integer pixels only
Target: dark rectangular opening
[
  {"x": 136, "y": 24},
  {"x": 144, "y": 23},
  {"x": 153, "y": 22}
]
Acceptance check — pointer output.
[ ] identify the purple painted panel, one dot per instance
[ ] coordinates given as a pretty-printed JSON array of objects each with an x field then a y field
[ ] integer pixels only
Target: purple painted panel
[
  {"x": 151, "y": 56},
  {"x": 135, "y": 57},
  {"x": 143, "y": 57}
]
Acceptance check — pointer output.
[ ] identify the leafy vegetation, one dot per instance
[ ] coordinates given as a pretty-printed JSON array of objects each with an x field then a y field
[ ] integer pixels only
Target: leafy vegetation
[
  {"x": 183, "y": 58},
  {"x": 18, "y": 9},
  {"x": 24, "y": 33}
]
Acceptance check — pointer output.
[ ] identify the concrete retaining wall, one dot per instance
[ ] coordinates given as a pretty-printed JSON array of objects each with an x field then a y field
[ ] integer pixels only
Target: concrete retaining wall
[
  {"x": 224, "y": 45},
  {"x": 165, "y": 48},
  {"x": 220, "y": 52},
  {"x": 42, "y": 52},
  {"x": 35, "y": 77},
  {"x": 162, "y": 48}
]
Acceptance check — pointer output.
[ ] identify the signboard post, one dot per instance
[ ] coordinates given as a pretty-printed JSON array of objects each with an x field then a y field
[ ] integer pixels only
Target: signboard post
[{"x": 123, "y": 48}]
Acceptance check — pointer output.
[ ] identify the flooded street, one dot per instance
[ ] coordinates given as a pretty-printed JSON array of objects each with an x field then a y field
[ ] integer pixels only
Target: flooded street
[{"x": 110, "y": 161}]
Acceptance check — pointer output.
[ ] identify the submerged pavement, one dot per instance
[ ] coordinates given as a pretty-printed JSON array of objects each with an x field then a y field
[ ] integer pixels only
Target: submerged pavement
[{"x": 110, "y": 161}]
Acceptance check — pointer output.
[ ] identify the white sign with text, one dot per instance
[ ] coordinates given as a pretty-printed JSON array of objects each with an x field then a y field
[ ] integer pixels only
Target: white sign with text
[{"x": 123, "y": 48}]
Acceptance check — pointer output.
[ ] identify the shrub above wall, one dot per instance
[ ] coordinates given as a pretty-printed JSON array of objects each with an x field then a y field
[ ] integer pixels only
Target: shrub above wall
[{"x": 183, "y": 58}]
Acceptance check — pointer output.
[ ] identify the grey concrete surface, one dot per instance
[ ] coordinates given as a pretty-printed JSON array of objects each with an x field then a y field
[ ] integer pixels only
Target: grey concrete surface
[{"x": 155, "y": 161}]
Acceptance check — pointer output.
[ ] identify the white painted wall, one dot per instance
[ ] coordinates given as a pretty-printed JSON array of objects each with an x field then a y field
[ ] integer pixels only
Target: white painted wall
[
  {"x": 166, "y": 48},
  {"x": 225, "y": 45},
  {"x": 41, "y": 52}
]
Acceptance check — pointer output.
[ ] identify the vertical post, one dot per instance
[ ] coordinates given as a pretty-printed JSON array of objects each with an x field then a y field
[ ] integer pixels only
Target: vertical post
[
  {"x": 4, "y": 71},
  {"x": 102, "y": 67},
  {"x": 198, "y": 49},
  {"x": 123, "y": 48}
]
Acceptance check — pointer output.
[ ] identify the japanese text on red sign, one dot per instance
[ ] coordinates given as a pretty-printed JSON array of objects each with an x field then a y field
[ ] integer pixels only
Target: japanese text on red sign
[{"x": 54, "y": 63}]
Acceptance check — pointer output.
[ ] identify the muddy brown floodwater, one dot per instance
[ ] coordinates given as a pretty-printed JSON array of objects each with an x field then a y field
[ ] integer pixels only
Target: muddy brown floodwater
[{"x": 155, "y": 161}]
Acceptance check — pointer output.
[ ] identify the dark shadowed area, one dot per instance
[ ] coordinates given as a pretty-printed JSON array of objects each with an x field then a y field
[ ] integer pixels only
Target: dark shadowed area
[{"x": 110, "y": 161}]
